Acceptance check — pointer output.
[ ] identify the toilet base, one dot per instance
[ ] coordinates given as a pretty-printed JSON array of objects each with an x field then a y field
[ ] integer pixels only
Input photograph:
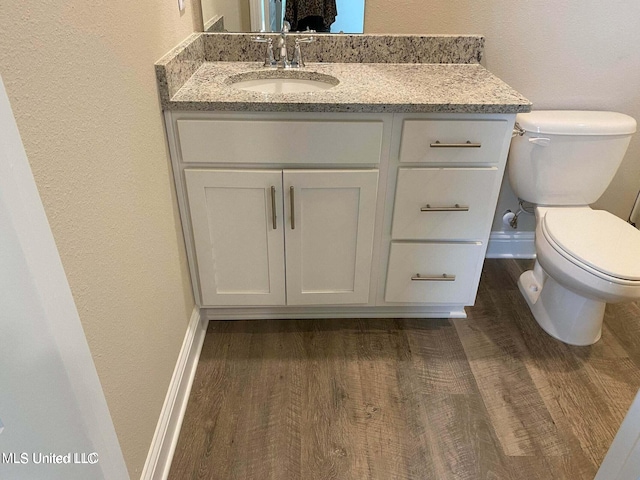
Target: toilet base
[{"x": 562, "y": 313}]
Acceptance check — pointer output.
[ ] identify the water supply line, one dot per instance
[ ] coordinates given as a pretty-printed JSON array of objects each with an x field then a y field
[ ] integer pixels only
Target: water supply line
[
  {"x": 511, "y": 218},
  {"x": 518, "y": 131}
]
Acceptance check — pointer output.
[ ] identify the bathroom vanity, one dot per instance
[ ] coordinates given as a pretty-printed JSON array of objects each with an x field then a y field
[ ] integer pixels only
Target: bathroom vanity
[{"x": 372, "y": 198}]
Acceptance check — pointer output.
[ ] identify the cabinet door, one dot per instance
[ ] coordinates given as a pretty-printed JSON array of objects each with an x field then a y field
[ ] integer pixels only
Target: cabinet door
[
  {"x": 329, "y": 224},
  {"x": 239, "y": 250}
]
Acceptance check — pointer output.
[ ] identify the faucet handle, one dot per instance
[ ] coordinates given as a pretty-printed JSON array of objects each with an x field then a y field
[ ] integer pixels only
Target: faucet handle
[
  {"x": 269, "y": 58},
  {"x": 297, "y": 61}
]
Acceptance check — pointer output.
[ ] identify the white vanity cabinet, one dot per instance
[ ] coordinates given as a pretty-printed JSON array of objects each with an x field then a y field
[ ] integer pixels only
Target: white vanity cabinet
[
  {"x": 279, "y": 210},
  {"x": 448, "y": 174},
  {"x": 257, "y": 231},
  {"x": 299, "y": 215}
]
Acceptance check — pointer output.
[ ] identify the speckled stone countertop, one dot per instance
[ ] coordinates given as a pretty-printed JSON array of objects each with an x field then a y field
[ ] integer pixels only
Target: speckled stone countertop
[
  {"x": 365, "y": 88},
  {"x": 195, "y": 76}
]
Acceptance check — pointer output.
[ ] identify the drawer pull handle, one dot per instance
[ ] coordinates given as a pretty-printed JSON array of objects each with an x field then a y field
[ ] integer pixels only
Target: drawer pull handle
[
  {"x": 273, "y": 208},
  {"x": 293, "y": 208},
  {"x": 455, "y": 208},
  {"x": 434, "y": 278},
  {"x": 468, "y": 144}
]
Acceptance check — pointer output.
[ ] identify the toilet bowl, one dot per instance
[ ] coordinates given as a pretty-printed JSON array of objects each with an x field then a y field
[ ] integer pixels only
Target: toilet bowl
[
  {"x": 561, "y": 162},
  {"x": 585, "y": 259}
]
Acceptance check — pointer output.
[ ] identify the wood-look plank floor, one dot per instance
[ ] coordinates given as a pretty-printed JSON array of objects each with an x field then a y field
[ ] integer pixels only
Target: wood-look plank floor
[{"x": 489, "y": 397}]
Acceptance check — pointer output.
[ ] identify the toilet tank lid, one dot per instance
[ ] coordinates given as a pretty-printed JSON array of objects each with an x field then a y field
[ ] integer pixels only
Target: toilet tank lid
[{"x": 576, "y": 122}]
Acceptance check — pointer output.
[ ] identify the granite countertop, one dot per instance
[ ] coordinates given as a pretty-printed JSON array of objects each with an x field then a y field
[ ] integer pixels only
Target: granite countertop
[
  {"x": 375, "y": 73},
  {"x": 366, "y": 88}
]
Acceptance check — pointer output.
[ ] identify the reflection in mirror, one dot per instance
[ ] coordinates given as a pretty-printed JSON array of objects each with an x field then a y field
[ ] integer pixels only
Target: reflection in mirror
[{"x": 334, "y": 16}]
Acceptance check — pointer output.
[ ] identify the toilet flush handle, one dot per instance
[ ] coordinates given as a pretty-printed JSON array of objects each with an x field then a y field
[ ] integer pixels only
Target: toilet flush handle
[{"x": 542, "y": 141}]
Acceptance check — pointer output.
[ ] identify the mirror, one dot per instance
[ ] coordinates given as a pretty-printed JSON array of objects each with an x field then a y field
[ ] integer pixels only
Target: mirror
[{"x": 330, "y": 16}]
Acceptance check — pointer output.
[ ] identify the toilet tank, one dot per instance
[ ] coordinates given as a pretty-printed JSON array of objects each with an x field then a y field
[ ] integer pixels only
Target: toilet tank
[{"x": 567, "y": 157}]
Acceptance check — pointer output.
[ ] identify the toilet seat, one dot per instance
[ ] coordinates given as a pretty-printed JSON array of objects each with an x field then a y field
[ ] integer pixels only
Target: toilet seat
[{"x": 595, "y": 241}]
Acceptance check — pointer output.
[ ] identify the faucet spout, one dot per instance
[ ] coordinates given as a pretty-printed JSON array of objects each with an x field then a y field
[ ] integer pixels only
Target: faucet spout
[{"x": 283, "y": 62}]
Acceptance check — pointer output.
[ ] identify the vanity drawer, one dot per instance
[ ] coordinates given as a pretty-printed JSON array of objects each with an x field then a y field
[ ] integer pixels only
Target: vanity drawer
[
  {"x": 280, "y": 141},
  {"x": 452, "y": 141},
  {"x": 415, "y": 273},
  {"x": 443, "y": 203}
]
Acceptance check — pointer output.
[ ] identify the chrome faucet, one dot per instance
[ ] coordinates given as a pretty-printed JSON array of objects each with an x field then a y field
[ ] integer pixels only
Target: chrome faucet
[{"x": 284, "y": 62}]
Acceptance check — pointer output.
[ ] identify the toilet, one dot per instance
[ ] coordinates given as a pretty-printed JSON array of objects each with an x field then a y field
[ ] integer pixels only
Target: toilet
[{"x": 562, "y": 161}]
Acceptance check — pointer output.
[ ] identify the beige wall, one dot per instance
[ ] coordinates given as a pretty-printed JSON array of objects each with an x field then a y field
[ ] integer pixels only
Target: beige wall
[
  {"x": 235, "y": 12},
  {"x": 572, "y": 54},
  {"x": 81, "y": 82}
]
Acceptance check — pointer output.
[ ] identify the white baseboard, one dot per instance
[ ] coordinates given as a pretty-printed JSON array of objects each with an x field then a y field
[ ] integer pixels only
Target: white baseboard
[
  {"x": 303, "y": 313},
  {"x": 165, "y": 438},
  {"x": 511, "y": 245}
]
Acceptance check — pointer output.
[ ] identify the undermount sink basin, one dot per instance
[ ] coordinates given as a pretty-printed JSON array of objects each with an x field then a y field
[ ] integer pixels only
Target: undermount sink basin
[{"x": 283, "y": 81}]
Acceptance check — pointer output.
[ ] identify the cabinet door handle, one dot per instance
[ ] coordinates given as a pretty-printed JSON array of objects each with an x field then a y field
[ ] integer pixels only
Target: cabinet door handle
[
  {"x": 273, "y": 208},
  {"x": 467, "y": 144},
  {"x": 455, "y": 208},
  {"x": 292, "y": 203},
  {"x": 433, "y": 278}
]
